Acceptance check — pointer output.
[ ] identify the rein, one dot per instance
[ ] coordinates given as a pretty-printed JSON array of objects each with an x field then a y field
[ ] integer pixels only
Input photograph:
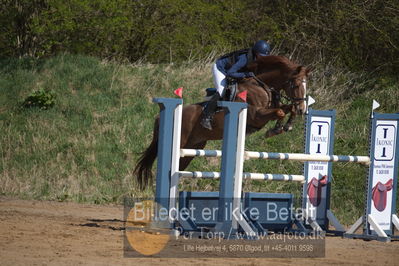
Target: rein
[{"x": 276, "y": 95}]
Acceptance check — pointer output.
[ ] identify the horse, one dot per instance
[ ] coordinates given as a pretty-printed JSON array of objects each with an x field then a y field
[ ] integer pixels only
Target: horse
[{"x": 273, "y": 74}]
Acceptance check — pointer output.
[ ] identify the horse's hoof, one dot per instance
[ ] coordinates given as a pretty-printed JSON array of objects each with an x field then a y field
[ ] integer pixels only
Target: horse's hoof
[
  {"x": 273, "y": 132},
  {"x": 288, "y": 128}
]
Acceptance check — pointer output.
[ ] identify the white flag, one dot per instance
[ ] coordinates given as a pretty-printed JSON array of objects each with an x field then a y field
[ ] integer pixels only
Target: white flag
[
  {"x": 375, "y": 105},
  {"x": 309, "y": 101}
]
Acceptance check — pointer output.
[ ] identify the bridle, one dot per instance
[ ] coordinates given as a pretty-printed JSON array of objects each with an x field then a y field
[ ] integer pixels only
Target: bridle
[
  {"x": 276, "y": 94},
  {"x": 294, "y": 100}
]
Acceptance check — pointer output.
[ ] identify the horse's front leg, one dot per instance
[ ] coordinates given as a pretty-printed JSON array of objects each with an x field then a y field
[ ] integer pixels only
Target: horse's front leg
[
  {"x": 279, "y": 127},
  {"x": 276, "y": 130},
  {"x": 291, "y": 110},
  {"x": 288, "y": 126}
]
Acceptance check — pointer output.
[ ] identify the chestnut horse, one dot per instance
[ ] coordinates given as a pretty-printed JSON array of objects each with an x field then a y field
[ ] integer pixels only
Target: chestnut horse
[{"x": 264, "y": 105}]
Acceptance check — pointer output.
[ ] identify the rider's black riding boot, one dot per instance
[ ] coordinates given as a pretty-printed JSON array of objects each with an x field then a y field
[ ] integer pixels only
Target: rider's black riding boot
[{"x": 209, "y": 111}]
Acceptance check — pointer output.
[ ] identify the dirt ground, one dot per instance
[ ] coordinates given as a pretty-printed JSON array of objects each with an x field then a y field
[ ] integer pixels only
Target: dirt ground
[{"x": 43, "y": 232}]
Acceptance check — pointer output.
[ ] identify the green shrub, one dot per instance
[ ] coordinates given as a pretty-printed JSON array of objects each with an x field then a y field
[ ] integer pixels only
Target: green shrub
[{"x": 41, "y": 98}]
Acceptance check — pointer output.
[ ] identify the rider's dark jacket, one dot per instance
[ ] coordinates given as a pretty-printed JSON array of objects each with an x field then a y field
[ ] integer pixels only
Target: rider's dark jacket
[{"x": 233, "y": 64}]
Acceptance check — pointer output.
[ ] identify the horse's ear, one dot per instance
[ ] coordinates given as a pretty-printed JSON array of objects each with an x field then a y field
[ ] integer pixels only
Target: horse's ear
[{"x": 298, "y": 70}]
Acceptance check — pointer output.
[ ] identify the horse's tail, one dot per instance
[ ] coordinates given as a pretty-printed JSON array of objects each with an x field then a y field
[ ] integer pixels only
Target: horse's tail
[{"x": 142, "y": 171}]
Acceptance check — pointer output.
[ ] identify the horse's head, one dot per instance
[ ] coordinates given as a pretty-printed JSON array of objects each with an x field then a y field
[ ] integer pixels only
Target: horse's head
[
  {"x": 281, "y": 73},
  {"x": 295, "y": 89},
  {"x": 275, "y": 74}
]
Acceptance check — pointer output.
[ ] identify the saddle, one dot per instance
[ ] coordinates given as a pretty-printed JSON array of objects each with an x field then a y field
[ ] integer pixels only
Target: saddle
[
  {"x": 314, "y": 190},
  {"x": 229, "y": 94},
  {"x": 379, "y": 194}
]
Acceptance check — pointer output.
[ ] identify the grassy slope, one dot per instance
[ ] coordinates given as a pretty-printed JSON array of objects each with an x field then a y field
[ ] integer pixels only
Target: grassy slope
[{"x": 85, "y": 148}]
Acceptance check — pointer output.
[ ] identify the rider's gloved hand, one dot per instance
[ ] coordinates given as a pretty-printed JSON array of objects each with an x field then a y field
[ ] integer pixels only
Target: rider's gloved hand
[{"x": 250, "y": 75}]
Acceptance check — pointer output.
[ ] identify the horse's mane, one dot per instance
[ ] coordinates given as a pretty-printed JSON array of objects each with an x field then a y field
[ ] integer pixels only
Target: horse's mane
[{"x": 273, "y": 62}]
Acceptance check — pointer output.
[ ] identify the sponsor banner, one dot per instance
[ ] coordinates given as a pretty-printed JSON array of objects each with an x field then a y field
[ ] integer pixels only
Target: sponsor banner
[
  {"x": 318, "y": 141},
  {"x": 382, "y": 173}
]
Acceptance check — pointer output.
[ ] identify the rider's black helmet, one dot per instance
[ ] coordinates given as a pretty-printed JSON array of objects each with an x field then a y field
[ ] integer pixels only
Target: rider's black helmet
[{"x": 261, "y": 47}]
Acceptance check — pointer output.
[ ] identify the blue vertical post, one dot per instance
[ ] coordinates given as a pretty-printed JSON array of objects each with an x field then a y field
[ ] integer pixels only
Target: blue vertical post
[
  {"x": 226, "y": 188},
  {"x": 165, "y": 142}
]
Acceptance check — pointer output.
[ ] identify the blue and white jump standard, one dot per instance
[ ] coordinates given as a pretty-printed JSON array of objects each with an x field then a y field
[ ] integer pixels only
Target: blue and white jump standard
[
  {"x": 168, "y": 164},
  {"x": 380, "y": 219},
  {"x": 319, "y": 143}
]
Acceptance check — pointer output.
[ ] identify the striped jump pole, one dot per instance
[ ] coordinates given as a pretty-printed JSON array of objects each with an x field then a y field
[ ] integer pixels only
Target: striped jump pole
[
  {"x": 307, "y": 157},
  {"x": 279, "y": 156},
  {"x": 246, "y": 175}
]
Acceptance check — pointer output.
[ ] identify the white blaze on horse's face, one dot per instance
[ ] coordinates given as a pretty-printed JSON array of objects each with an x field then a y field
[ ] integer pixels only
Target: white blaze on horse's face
[
  {"x": 304, "y": 94},
  {"x": 304, "y": 87},
  {"x": 302, "y": 105}
]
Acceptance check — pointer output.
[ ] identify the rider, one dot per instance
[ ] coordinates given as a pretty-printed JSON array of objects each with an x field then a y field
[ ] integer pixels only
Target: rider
[{"x": 231, "y": 65}]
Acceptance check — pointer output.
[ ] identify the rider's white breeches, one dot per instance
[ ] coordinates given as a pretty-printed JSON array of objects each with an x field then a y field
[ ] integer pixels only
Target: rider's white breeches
[{"x": 219, "y": 79}]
